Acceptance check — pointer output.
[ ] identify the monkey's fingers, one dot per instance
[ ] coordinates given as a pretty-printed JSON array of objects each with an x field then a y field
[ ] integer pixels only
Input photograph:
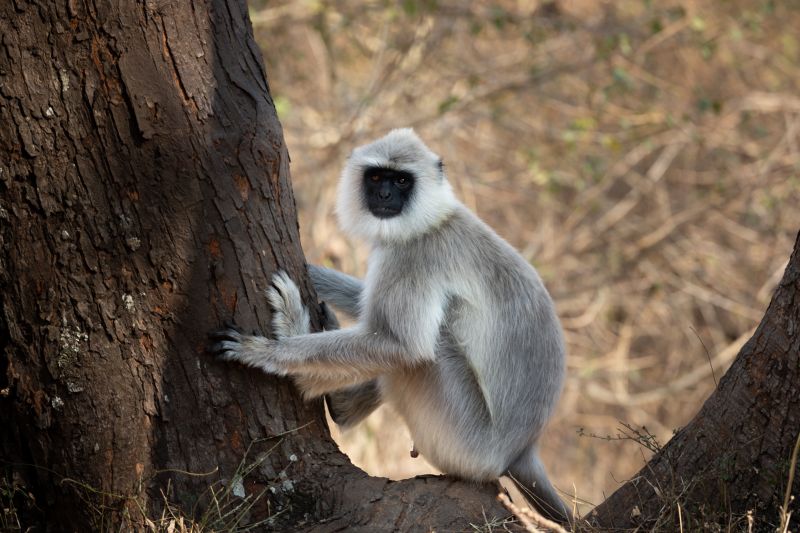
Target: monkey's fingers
[
  {"x": 251, "y": 350},
  {"x": 225, "y": 344},
  {"x": 231, "y": 334},
  {"x": 226, "y": 351}
]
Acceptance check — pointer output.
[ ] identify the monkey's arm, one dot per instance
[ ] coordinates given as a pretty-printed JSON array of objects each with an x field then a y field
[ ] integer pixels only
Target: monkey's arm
[
  {"x": 344, "y": 356},
  {"x": 349, "y": 356},
  {"x": 338, "y": 289},
  {"x": 340, "y": 358}
]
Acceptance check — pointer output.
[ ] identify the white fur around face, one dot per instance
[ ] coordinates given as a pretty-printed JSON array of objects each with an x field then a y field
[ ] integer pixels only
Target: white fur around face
[{"x": 431, "y": 200}]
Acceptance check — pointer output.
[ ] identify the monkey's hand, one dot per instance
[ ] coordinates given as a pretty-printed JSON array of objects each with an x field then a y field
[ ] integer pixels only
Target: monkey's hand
[
  {"x": 289, "y": 315},
  {"x": 260, "y": 352}
]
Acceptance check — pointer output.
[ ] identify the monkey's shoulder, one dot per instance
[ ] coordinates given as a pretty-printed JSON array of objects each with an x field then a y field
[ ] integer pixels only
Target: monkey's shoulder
[{"x": 469, "y": 243}]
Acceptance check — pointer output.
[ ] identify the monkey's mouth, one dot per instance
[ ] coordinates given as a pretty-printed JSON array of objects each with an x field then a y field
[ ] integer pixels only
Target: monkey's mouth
[{"x": 385, "y": 211}]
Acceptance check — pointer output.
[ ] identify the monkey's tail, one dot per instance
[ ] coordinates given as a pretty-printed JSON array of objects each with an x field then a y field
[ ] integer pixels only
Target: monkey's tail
[{"x": 528, "y": 471}]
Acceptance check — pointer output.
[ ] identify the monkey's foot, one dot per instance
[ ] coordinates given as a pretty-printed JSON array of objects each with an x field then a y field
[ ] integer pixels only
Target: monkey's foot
[
  {"x": 289, "y": 315},
  {"x": 232, "y": 345},
  {"x": 329, "y": 320}
]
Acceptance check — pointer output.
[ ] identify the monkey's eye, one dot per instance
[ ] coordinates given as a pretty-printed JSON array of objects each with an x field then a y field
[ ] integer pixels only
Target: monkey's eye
[
  {"x": 402, "y": 182},
  {"x": 375, "y": 178}
]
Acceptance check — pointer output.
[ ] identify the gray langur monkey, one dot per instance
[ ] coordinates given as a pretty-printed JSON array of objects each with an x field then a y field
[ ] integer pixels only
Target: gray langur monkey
[{"x": 454, "y": 328}]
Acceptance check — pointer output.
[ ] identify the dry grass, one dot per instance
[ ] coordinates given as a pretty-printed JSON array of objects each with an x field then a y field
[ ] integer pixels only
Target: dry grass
[
  {"x": 13, "y": 496},
  {"x": 531, "y": 520},
  {"x": 224, "y": 505},
  {"x": 788, "y": 498},
  {"x": 642, "y": 155}
]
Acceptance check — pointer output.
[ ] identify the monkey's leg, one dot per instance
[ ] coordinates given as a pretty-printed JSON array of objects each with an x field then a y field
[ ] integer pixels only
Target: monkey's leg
[
  {"x": 289, "y": 315},
  {"x": 489, "y": 443},
  {"x": 340, "y": 290},
  {"x": 529, "y": 471},
  {"x": 314, "y": 385},
  {"x": 350, "y": 406},
  {"x": 448, "y": 415}
]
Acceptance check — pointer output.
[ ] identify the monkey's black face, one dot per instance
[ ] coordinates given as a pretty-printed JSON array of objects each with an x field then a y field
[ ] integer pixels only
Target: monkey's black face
[{"x": 387, "y": 190}]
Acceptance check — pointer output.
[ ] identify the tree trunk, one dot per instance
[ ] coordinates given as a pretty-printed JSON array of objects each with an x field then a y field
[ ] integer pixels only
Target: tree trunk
[
  {"x": 734, "y": 456},
  {"x": 145, "y": 199}
]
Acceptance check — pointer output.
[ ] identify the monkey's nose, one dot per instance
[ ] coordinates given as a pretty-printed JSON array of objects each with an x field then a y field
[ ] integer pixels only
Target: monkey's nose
[{"x": 384, "y": 194}]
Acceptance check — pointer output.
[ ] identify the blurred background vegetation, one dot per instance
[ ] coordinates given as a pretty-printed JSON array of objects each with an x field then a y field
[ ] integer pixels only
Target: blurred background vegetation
[{"x": 643, "y": 155}]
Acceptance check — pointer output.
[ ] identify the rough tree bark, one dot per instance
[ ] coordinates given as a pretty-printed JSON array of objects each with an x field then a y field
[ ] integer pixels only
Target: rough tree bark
[
  {"x": 734, "y": 456},
  {"x": 144, "y": 199}
]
